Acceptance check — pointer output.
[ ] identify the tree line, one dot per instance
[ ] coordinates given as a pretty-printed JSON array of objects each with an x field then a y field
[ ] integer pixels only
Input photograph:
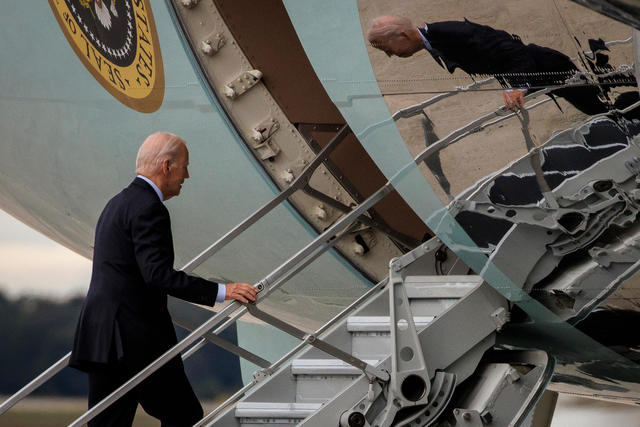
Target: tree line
[{"x": 35, "y": 332}]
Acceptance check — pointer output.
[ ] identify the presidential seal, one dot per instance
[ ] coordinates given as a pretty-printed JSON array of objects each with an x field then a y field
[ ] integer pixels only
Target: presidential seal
[{"x": 116, "y": 40}]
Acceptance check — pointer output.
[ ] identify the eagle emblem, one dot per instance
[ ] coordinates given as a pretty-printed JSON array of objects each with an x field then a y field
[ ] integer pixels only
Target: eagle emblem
[{"x": 117, "y": 42}]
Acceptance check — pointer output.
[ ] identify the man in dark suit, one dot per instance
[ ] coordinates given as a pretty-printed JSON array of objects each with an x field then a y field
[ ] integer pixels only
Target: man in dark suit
[
  {"x": 124, "y": 324},
  {"x": 482, "y": 50}
]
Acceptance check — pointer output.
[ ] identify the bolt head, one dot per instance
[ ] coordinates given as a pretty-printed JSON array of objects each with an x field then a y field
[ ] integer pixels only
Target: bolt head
[
  {"x": 321, "y": 213},
  {"x": 487, "y": 417},
  {"x": 288, "y": 176},
  {"x": 206, "y": 47},
  {"x": 229, "y": 92},
  {"x": 356, "y": 419},
  {"x": 189, "y": 3}
]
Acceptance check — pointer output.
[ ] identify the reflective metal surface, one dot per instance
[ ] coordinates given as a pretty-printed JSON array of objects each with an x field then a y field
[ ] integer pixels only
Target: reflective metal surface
[{"x": 521, "y": 166}]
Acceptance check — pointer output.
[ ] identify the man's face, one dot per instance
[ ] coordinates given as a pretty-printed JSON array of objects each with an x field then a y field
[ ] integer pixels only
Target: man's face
[
  {"x": 397, "y": 44},
  {"x": 178, "y": 172}
]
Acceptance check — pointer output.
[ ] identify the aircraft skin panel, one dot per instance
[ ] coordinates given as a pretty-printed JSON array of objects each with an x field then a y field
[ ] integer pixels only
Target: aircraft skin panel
[
  {"x": 68, "y": 146},
  {"x": 292, "y": 82}
]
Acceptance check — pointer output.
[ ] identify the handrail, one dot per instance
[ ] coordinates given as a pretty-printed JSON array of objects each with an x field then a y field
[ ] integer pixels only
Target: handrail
[
  {"x": 479, "y": 124},
  {"x": 473, "y": 126},
  {"x": 413, "y": 110},
  {"x": 243, "y": 310},
  {"x": 416, "y": 109}
]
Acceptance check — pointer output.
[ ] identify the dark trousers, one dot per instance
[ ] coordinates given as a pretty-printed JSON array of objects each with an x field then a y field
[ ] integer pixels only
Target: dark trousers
[{"x": 166, "y": 395}]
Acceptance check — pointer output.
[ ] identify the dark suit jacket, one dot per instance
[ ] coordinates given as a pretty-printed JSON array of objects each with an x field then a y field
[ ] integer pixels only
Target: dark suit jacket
[
  {"x": 479, "y": 49},
  {"x": 124, "y": 318}
]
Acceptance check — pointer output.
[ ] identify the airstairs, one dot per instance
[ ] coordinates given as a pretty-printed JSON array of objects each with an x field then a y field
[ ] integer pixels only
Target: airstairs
[{"x": 442, "y": 328}]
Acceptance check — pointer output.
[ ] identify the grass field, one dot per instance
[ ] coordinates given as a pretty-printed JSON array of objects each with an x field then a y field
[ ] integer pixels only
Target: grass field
[{"x": 57, "y": 412}]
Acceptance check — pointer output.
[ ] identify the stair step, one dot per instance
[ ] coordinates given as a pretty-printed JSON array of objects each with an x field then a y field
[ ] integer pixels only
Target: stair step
[
  {"x": 275, "y": 409},
  {"x": 318, "y": 380},
  {"x": 325, "y": 367},
  {"x": 381, "y": 323},
  {"x": 446, "y": 280},
  {"x": 423, "y": 287}
]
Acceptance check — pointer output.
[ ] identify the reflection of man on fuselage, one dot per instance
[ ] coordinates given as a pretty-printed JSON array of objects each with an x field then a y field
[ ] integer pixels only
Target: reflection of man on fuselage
[{"x": 480, "y": 49}]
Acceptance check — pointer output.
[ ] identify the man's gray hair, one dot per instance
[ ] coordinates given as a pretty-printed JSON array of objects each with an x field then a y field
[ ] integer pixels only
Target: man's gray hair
[
  {"x": 385, "y": 27},
  {"x": 156, "y": 149}
]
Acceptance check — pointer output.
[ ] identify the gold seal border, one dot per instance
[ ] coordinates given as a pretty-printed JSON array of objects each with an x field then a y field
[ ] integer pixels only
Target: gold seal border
[{"x": 153, "y": 100}]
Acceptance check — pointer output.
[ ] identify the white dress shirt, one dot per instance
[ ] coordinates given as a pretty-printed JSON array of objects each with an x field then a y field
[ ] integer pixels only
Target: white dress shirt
[{"x": 424, "y": 39}]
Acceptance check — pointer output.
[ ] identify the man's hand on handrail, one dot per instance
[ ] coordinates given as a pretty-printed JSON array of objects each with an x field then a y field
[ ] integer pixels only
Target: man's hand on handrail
[
  {"x": 242, "y": 292},
  {"x": 514, "y": 98}
]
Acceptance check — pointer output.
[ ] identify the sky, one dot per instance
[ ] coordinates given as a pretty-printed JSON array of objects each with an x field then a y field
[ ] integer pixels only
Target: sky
[{"x": 33, "y": 264}]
